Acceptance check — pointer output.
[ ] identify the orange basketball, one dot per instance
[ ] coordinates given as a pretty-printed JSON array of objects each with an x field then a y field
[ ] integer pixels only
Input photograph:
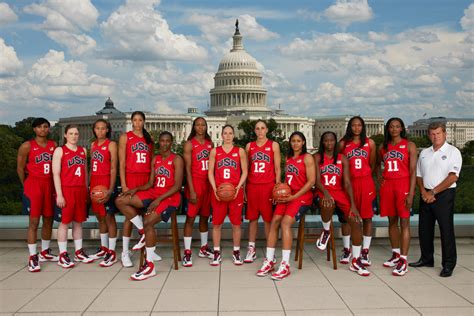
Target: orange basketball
[
  {"x": 226, "y": 192},
  {"x": 98, "y": 192},
  {"x": 280, "y": 191}
]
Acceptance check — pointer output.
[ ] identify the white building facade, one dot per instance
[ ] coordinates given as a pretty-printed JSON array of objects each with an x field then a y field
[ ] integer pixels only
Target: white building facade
[{"x": 459, "y": 130}]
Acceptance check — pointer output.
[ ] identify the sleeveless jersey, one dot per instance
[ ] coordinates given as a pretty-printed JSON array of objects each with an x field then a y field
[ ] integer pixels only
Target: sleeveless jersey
[
  {"x": 396, "y": 161},
  {"x": 295, "y": 174},
  {"x": 331, "y": 174},
  {"x": 139, "y": 154},
  {"x": 40, "y": 159},
  {"x": 200, "y": 158},
  {"x": 73, "y": 167},
  {"x": 262, "y": 165},
  {"x": 100, "y": 159},
  {"x": 359, "y": 158},
  {"x": 227, "y": 167},
  {"x": 164, "y": 173}
]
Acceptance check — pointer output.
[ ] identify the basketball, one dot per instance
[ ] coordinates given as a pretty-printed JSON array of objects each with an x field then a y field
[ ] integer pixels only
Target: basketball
[
  {"x": 226, "y": 192},
  {"x": 98, "y": 192},
  {"x": 280, "y": 191}
]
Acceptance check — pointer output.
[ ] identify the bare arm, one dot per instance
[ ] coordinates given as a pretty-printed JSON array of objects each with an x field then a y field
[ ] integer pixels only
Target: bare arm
[
  {"x": 57, "y": 155},
  {"x": 327, "y": 200},
  {"x": 86, "y": 176},
  {"x": 210, "y": 173},
  {"x": 244, "y": 167},
  {"x": 113, "y": 165},
  {"x": 373, "y": 155},
  {"x": 188, "y": 147},
  {"x": 277, "y": 161},
  {"x": 122, "y": 155},
  {"x": 21, "y": 160},
  {"x": 348, "y": 187}
]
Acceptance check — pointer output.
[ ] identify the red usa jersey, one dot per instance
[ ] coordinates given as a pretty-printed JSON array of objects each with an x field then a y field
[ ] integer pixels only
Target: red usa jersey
[
  {"x": 100, "y": 159},
  {"x": 227, "y": 167},
  {"x": 331, "y": 174},
  {"x": 73, "y": 167},
  {"x": 359, "y": 158},
  {"x": 164, "y": 173},
  {"x": 139, "y": 154},
  {"x": 295, "y": 174},
  {"x": 40, "y": 159},
  {"x": 262, "y": 166},
  {"x": 200, "y": 158},
  {"x": 396, "y": 160}
]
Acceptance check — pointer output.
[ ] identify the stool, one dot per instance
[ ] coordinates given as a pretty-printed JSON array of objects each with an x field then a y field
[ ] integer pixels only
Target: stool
[{"x": 302, "y": 237}]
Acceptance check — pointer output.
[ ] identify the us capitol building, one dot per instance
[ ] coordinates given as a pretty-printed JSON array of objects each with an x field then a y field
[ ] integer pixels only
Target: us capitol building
[{"x": 238, "y": 95}]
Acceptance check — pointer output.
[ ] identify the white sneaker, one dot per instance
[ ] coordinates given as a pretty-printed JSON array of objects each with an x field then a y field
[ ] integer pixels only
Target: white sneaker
[
  {"x": 322, "y": 241},
  {"x": 109, "y": 260},
  {"x": 267, "y": 268},
  {"x": 282, "y": 272},
  {"x": 358, "y": 266},
  {"x": 346, "y": 256},
  {"x": 251, "y": 255},
  {"x": 401, "y": 269},
  {"x": 236, "y": 258},
  {"x": 140, "y": 244},
  {"x": 81, "y": 256},
  {"x": 156, "y": 257},
  {"x": 47, "y": 255},
  {"x": 216, "y": 259},
  {"x": 126, "y": 261},
  {"x": 64, "y": 261},
  {"x": 33, "y": 263},
  {"x": 145, "y": 272}
]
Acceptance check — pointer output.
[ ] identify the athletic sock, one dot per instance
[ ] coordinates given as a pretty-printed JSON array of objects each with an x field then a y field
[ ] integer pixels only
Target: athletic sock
[
  {"x": 356, "y": 251},
  {"x": 366, "y": 242},
  {"x": 126, "y": 243},
  {"x": 112, "y": 243},
  {"x": 346, "y": 241},
  {"x": 78, "y": 244},
  {"x": 252, "y": 244},
  {"x": 236, "y": 248},
  {"x": 104, "y": 240},
  {"x": 32, "y": 249},
  {"x": 327, "y": 225},
  {"x": 397, "y": 250},
  {"x": 187, "y": 242},
  {"x": 270, "y": 254},
  {"x": 138, "y": 222},
  {"x": 62, "y": 246},
  {"x": 150, "y": 253},
  {"x": 204, "y": 237},
  {"x": 285, "y": 256},
  {"x": 45, "y": 244}
]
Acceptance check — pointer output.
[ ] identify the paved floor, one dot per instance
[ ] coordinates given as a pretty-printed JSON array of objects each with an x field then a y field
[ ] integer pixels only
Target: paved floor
[{"x": 230, "y": 290}]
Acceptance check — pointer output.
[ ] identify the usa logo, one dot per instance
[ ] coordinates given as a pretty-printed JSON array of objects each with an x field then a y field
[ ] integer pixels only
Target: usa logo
[
  {"x": 227, "y": 162},
  {"x": 259, "y": 156},
  {"x": 162, "y": 171},
  {"x": 331, "y": 169},
  {"x": 140, "y": 146},
  {"x": 44, "y": 157},
  {"x": 97, "y": 156},
  {"x": 292, "y": 169},
  {"x": 76, "y": 161},
  {"x": 393, "y": 154},
  {"x": 204, "y": 154}
]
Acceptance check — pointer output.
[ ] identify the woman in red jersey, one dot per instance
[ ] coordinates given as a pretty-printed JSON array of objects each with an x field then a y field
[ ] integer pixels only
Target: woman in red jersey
[
  {"x": 104, "y": 172},
  {"x": 397, "y": 189},
  {"x": 198, "y": 193},
  {"x": 362, "y": 155},
  {"x": 135, "y": 155},
  {"x": 227, "y": 164},
  {"x": 264, "y": 172},
  {"x": 34, "y": 170},
  {"x": 160, "y": 196},
  {"x": 70, "y": 182},
  {"x": 334, "y": 189},
  {"x": 300, "y": 176}
]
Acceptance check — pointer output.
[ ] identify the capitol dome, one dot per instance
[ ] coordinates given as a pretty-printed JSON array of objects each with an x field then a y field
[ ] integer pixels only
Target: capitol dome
[{"x": 238, "y": 88}]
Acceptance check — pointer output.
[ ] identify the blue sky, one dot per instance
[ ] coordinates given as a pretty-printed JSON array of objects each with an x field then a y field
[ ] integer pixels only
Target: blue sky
[{"x": 61, "y": 58}]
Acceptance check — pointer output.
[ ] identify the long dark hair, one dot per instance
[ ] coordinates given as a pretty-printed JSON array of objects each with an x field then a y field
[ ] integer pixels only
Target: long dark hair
[
  {"x": 387, "y": 138},
  {"x": 107, "y": 124},
  {"x": 68, "y": 127},
  {"x": 349, "y": 136},
  {"x": 304, "y": 150},
  {"x": 321, "y": 147},
  {"x": 193, "y": 131},
  {"x": 146, "y": 135}
]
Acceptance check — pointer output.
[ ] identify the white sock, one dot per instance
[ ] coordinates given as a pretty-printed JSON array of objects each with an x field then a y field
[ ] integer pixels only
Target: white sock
[
  {"x": 62, "y": 246},
  {"x": 32, "y": 249},
  {"x": 327, "y": 225},
  {"x": 285, "y": 256},
  {"x": 45, "y": 244},
  {"x": 403, "y": 257},
  {"x": 126, "y": 243},
  {"x": 397, "y": 250},
  {"x": 356, "y": 251},
  {"x": 78, "y": 244},
  {"x": 150, "y": 253},
  {"x": 104, "y": 240},
  {"x": 346, "y": 241},
  {"x": 204, "y": 236},
  {"x": 187, "y": 242},
  {"x": 236, "y": 248},
  {"x": 112, "y": 243},
  {"x": 252, "y": 244},
  {"x": 217, "y": 248},
  {"x": 138, "y": 222},
  {"x": 270, "y": 254},
  {"x": 366, "y": 242}
]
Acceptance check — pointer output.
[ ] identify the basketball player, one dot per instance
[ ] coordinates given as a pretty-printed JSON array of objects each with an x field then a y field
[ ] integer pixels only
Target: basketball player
[
  {"x": 361, "y": 153},
  {"x": 300, "y": 176},
  {"x": 160, "y": 196},
  {"x": 34, "y": 170},
  {"x": 70, "y": 182},
  {"x": 397, "y": 189},
  {"x": 198, "y": 189},
  {"x": 264, "y": 172},
  {"x": 227, "y": 164},
  {"x": 104, "y": 172},
  {"x": 334, "y": 189},
  {"x": 135, "y": 155}
]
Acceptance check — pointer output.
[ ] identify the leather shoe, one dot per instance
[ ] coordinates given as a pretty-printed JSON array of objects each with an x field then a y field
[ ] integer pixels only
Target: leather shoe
[
  {"x": 421, "y": 263},
  {"x": 446, "y": 272}
]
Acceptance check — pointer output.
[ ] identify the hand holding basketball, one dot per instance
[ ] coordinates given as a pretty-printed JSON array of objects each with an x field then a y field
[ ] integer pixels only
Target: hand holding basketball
[
  {"x": 226, "y": 192},
  {"x": 281, "y": 191},
  {"x": 98, "y": 193}
]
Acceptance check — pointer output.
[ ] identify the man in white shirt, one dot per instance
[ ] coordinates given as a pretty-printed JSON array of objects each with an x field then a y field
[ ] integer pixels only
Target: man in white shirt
[{"x": 436, "y": 175}]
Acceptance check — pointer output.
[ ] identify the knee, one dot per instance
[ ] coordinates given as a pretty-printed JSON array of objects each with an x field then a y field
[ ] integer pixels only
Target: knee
[
  {"x": 216, "y": 227},
  {"x": 34, "y": 223},
  {"x": 405, "y": 223},
  {"x": 101, "y": 219},
  {"x": 286, "y": 223},
  {"x": 190, "y": 220},
  {"x": 367, "y": 221}
]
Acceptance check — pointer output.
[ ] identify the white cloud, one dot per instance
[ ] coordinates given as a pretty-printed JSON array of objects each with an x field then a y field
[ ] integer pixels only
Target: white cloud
[
  {"x": 346, "y": 12},
  {"x": 327, "y": 44},
  {"x": 328, "y": 92},
  {"x": 467, "y": 21},
  {"x": 9, "y": 62},
  {"x": 77, "y": 44},
  {"x": 7, "y": 15},
  {"x": 378, "y": 37},
  {"x": 418, "y": 36},
  {"x": 138, "y": 32},
  {"x": 371, "y": 89},
  {"x": 465, "y": 96}
]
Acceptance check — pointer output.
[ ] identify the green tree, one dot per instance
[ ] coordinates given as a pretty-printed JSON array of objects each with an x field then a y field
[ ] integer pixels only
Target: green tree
[
  {"x": 23, "y": 128},
  {"x": 10, "y": 187},
  {"x": 378, "y": 139},
  {"x": 421, "y": 142},
  {"x": 468, "y": 153}
]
